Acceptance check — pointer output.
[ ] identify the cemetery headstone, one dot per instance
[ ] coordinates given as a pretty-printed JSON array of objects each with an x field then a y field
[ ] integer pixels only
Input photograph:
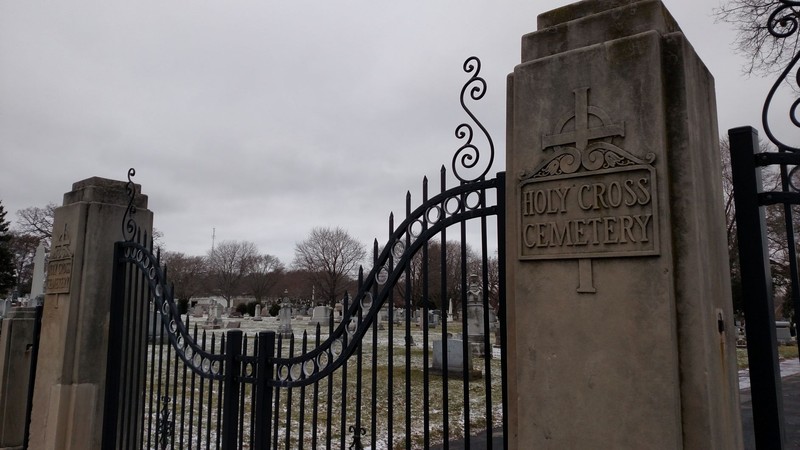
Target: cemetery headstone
[
  {"x": 257, "y": 314},
  {"x": 285, "y": 319},
  {"x": 214, "y": 320},
  {"x": 475, "y": 325},
  {"x": 456, "y": 361},
  {"x": 37, "y": 282},
  {"x": 321, "y": 315}
]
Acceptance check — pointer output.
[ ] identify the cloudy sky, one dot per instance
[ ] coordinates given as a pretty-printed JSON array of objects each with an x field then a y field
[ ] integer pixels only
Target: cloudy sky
[{"x": 263, "y": 119}]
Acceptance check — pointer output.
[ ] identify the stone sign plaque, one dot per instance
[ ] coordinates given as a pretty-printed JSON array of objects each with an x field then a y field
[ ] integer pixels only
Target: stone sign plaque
[
  {"x": 591, "y": 199},
  {"x": 59, "y": 267}
]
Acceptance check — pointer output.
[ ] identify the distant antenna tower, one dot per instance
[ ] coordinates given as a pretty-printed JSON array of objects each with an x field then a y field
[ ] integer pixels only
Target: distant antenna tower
[{"x": 213, "y": 236}]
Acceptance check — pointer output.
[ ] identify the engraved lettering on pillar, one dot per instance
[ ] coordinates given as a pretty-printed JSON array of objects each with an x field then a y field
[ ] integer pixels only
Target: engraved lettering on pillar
[
  {"x": 59, "y": 267},
  {"x": 591, "y": 198}
]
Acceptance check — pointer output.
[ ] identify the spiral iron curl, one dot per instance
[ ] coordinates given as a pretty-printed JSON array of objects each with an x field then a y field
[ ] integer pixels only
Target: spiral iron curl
[
  {"x": 129, "y": 226},
  {"x": 783, "y": 23},
  {"x": 467, "y": 156}
]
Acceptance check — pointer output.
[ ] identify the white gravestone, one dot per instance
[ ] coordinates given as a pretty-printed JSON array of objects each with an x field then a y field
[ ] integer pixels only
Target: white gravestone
[{"x": 37, "y": 284}]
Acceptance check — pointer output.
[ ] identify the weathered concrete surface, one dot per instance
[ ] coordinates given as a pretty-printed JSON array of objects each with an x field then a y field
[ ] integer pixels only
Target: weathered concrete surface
[
  {"x": 71, "y": 372},
  {"x": 16, "y": 341},
  {"x": 616, "y": 238}
]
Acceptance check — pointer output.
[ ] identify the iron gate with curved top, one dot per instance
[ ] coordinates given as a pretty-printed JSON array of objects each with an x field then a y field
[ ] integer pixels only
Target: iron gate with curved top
[{"x": 416, "y": 359}]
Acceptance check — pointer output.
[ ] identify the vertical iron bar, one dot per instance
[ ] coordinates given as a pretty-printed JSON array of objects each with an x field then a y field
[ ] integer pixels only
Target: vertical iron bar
[
  {"x": 359, "y": 358},
  {"x": 426, "y": 392},
  {"x": 289, "y": 397},
  {"x": 788, "y": 214},
  {"x": 301, "y": 422},
  {"x": 263, "y": 411},
  {"x": 501, "y": 295},
  {"x": 155, "y": 317},
  {"x": 390, "y": 361},
  {"x": 201, "y": 406},
  {"x": 37, "y": 329},
  {"x": 345, "y": 343},
  {"x": 230, "y": 419},
  {"x": 445, "y": 318},
  {"x": 487, "y": 348},
  {"x": 315, "y": 396},
  {"x": 464, "y": 324},
  {"x": 129, "y": 372},
  {"x": 113, "y": 364},
  {"x": 375, "y": 326},
  {"x": 329, "y": 403},
  {"x": 176, "y": 360},
  {"x": 762, "y": 353},
  {"x": 277, "y": 399}
]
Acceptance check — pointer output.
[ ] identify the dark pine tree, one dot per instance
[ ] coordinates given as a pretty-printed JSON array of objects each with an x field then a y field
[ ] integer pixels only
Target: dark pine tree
[{"x": 7, "y": 277}]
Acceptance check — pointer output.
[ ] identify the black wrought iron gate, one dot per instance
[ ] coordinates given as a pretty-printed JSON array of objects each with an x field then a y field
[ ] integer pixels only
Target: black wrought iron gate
[
  {"x": 757, "y": 245},
  {"x": 416, "y": 359}
]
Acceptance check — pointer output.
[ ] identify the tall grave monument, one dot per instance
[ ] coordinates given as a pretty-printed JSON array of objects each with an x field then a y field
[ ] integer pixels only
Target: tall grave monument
[{"x": 620, "y": 323}]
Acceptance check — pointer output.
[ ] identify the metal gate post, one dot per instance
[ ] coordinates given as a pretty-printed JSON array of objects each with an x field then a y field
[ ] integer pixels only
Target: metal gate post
[
  {"x": 762, "y": 352},
  {"x": 113, "y": 366},
  {"x": 230, "y": 403},
  {"x": 37, "y": 330},
  {"x": 263, "y": 406}
]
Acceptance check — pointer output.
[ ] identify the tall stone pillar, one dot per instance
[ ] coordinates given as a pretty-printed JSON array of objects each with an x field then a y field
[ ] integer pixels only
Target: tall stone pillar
[
  {"x": 620, "y": 320},
  {"x": 71, "y": 370}
]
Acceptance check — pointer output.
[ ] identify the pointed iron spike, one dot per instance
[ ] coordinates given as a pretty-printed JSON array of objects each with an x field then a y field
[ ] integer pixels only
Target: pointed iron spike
[
  {"x": 305, "y": 336},
  {"x": 391, "y": 223},
  {"x": 424, "y": 189},
  {"x": 360, "y": 276},
  {"x": 375, "y": 250},
  {"x": 408, "y": 203},
  {"x": 443, "y": 177}
]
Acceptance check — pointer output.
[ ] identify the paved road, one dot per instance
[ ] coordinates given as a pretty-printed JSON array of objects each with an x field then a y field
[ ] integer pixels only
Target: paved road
[{"x": 791, "y": 413}]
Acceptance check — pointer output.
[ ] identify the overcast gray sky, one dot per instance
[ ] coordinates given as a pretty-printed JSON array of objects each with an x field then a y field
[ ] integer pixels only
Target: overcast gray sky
[{"x": 264, "y": 119}]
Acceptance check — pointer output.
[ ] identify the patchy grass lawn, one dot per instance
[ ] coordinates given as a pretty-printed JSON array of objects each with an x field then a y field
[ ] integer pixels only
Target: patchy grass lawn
[{"x": 784, "y": 352}]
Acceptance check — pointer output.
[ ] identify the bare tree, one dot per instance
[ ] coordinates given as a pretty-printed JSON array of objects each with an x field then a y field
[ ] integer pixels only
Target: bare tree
[
  {"x": 37, "y": 221},
  {"x": 23, "y": 249},
  {"x": 187, "y": 274},
  {"x": 766, "y": 53},
  {"x": 436, "y": 299},
  {"x": 330, "y": 256},
  {"x": 229, "y": 263},
  {"x": 265, "y": 273}
]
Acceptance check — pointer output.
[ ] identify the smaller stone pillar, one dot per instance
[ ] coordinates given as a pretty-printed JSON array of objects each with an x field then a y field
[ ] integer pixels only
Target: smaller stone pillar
[{"x": 16, "y": 345}]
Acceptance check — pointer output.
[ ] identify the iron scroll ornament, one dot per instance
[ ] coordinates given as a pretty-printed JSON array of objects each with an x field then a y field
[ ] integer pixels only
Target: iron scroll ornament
[
  {"x": 783, "y": 23},
  {"x": 468, "y": 156},
  {"x": 129, "y": 227}
]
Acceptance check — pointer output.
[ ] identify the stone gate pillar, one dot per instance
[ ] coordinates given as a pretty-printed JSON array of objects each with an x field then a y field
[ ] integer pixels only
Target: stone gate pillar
[
  {"x": 70, "y": 376},
  {"x": 620, "y": 324}
]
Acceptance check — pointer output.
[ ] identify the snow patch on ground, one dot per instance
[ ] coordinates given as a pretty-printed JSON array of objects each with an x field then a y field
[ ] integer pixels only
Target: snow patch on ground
[{"x": 788, "y": 367}]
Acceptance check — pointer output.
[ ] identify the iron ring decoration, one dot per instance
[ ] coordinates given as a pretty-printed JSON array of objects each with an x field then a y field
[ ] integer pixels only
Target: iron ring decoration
[
  {"x": 795, "y": 172},
  {"x": 467, "y": 156}
]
